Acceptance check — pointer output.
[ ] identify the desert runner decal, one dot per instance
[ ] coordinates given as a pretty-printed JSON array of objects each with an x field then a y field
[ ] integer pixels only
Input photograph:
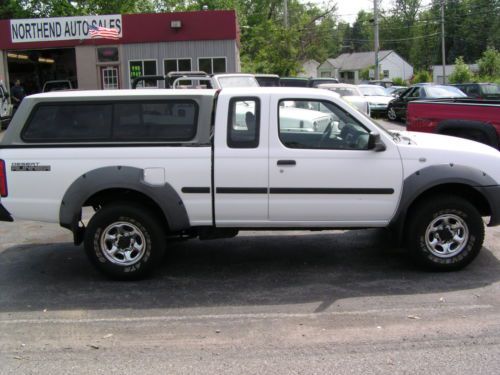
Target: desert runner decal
[{"x": 29, "y": 167}]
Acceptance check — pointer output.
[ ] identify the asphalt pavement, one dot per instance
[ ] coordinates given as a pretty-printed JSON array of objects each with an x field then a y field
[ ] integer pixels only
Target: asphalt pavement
[{"x": 333, "y": 302}]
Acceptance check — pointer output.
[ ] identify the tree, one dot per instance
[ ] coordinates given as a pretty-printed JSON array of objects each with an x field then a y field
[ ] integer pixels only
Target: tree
[
  {"x": 489, "y": 64},
  {"x": 461, "y": 73}
]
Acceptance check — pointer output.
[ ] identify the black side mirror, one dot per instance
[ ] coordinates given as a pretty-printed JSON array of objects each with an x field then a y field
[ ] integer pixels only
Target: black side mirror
[{"x": 375, "y": 143}]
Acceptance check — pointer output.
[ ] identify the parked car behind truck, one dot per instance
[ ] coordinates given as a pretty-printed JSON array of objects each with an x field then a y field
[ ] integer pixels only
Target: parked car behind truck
[{"x": 161, "y": 164}]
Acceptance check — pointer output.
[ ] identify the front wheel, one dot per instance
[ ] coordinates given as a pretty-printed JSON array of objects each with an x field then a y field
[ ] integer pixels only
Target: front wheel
[
  {"x": 125, "y": 241},
  {"x": 445, "y": 233},
  {"x": 391, "y": 114}
]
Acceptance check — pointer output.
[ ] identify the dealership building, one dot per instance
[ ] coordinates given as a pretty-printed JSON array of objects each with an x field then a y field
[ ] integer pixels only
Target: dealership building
[{"x": 46, "y": 49}]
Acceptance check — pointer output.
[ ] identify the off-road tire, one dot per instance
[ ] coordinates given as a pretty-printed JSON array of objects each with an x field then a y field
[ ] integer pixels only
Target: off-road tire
[
  {"x": 422, "y": 227},
  {"x": 143, "y": 224}
]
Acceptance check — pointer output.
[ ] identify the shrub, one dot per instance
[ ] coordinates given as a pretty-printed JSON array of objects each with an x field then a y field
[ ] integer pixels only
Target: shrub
[
  {"x": 461, "y": 73},
  {"x": 422, "y": 76},
  {"x": 398, "y": 81},
  {"x": 489, "y": 64}
]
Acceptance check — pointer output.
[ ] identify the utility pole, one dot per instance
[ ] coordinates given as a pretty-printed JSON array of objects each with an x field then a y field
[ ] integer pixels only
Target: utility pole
[
  {"x": 286, "y": 14},
  {"x": 377, "y": 47},
  {"x": 442, "y": 42}
]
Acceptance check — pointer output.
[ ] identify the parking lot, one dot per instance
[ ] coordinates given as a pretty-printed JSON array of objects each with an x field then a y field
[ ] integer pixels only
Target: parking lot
[{"x": 261, "y": 303}]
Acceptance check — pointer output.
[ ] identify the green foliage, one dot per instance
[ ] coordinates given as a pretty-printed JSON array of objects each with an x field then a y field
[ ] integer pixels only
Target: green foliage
[
  {"x": 489, "y": 63},
  {"x": 421, "y": 77},
  {"x": 365, "y": 74},
  {"x": 461, "y": 73},
  {"x": 398, "y": 81}
]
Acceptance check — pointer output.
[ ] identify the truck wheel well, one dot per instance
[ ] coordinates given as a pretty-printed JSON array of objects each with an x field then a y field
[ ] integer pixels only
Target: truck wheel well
[
  {"x": 105, "y": 197},
  {"x": 464, "y": 191},
  {"x": 473, "y": 130}
]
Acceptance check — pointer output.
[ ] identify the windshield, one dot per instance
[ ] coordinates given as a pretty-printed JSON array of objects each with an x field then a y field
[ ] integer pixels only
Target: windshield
[
  {"x": 345, "y": 91},
  {"x": 237, "y": 81},
  {"x": 444, "y": 92},
  {"x": 373, "y": 91}
]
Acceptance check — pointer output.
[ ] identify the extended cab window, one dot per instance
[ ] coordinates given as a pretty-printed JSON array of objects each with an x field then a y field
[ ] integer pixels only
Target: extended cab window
[
  {"x": 69, "y": 122},
  {"x": 173, "y": 120},
  {"x": 244, "y": 123},
  {"x": 310, "y": 124},
  {"x": 166, "y": 120}
]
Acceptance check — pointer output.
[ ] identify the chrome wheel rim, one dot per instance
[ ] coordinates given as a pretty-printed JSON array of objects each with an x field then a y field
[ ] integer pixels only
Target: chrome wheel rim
[
  {"x": 123, "y": 243},
  {"x": 391, "y": 113},
  {"x": 446, "y": 236}
]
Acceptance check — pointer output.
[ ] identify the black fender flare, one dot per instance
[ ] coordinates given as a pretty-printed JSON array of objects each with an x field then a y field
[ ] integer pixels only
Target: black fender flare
[
  {"x": 487, "y": 129},
  {"x": 118, "y": 177},
  {"x": 427, "y": 178}
]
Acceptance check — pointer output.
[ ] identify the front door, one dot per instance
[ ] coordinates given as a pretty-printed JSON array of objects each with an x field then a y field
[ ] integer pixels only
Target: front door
[
  {"x": 321, "y": 172},
  {"x": 110, "y": 77}
]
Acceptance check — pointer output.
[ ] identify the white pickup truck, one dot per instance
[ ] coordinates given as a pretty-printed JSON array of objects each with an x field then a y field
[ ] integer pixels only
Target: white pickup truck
[{"x": 158, "y": 164}]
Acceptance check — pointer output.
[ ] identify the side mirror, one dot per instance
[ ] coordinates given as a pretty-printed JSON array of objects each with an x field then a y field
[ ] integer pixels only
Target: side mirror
[{"x": 375, "y": 143}]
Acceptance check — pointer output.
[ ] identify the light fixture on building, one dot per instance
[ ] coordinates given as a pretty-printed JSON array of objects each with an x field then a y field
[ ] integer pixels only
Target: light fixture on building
[
  {"x": 176, "y": 24},
  {"x": 46, "y": 60},
  {"x": 17, "y": 56}
]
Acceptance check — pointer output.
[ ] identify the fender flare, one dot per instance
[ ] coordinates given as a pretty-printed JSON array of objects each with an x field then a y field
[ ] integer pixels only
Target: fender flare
[
  {"x": 485, "y": 128},
  {"x": 427, "y": 178},
  {"x": 118, "y": 177}
]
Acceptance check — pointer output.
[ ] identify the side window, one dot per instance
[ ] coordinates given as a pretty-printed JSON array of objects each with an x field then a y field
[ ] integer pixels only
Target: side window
[
  {"x": 473, "y": 91},
  {"x": 243, "y": 123},
  {"x": 173, "y": 120},
  {"x": 408, "y": 93},
  {"x": 69, "y": 122},
  {"x": 422, "y": 93},
  {"x": 310, "y": 124},
  {"x": 416, "y": 93}
]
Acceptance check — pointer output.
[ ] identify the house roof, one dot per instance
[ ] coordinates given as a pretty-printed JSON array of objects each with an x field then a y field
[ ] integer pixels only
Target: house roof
[{"x": 358, "y": 60}]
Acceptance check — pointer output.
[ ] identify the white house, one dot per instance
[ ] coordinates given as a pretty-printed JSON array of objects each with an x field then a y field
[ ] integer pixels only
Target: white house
[
  {"x": 348, "y": 66},
  {"x": 309, "y": 69}
]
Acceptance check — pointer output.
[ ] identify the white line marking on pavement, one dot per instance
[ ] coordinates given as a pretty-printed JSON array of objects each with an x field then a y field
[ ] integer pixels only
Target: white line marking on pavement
[{"x": 242, "y": 316}]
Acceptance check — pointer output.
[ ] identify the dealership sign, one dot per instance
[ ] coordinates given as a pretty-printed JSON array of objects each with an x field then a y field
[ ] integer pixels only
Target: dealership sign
[{"x": 60, "y": 28}]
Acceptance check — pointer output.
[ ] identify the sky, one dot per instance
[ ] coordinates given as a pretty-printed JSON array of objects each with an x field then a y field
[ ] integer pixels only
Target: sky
[{"x": 348, "y": 9}]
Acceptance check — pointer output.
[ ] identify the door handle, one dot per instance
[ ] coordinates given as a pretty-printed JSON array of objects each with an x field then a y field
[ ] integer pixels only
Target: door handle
[{"x": 287, "y": 162}]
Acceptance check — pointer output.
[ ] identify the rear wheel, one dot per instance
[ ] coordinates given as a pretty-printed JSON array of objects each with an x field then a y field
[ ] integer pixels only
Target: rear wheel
[
  {"x": 125, "y": 241},
  {"x": 445, "y": 233}
]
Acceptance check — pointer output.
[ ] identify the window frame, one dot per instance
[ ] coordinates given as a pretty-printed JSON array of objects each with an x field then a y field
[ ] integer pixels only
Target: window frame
[
  {"x": 176, "y": 59},
  {"x": 111, "y": 139},
  {"x": 212, "y": 63},
  {"x": 246, "y": 145},
  {"x": 278, "y": 129},
  {"x": 143, "y": 71}
]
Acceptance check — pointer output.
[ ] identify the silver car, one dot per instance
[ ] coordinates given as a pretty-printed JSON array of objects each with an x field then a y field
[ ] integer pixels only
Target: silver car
[{"x": 350, "y": 94}]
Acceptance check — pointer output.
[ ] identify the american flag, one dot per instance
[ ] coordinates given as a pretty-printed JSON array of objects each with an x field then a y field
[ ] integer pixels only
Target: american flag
[{"x": 103, "y": 32}]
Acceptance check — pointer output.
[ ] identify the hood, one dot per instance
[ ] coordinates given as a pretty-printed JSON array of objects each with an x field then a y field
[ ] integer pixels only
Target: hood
[
  {"x": 379, "y": 99},
  {"x": 442, "y": 149}
]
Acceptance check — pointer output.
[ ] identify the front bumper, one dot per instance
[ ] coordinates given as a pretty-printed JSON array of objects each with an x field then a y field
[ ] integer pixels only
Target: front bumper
[
  {"x": 378, "y": 108},
  {"x": 4, "y": 214},
  {"x": 492, "y": 194}
]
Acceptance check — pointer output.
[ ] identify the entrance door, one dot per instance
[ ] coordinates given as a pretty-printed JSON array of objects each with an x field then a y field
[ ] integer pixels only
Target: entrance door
[{"x": 110, "y": 78}]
